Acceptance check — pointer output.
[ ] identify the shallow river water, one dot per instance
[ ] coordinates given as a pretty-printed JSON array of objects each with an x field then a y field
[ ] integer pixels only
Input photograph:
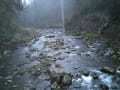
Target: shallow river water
[{"x": 28, "y": 66}]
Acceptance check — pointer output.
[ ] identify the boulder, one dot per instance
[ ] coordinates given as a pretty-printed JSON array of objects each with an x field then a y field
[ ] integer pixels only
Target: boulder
[
  {"x": 56, "y": 78},
  {"x": 55, "y": 86},
  {"x": 104, "y": 87},
  {"x": 66, "y": 80},
  {"x": 85, "y": 72},
  {"x": 108, "y": 70},
  {"x": 94, "y": 75},
  {"x": 60, "y": 80}
]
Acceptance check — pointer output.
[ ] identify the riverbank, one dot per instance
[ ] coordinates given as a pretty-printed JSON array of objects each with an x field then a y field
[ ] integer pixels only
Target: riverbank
[
  {"x": 88, "y": 26},
  {"x": 11, "y": 41}
]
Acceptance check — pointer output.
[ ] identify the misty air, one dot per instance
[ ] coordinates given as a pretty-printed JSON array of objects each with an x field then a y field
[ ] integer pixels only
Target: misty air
[{"x": 60, "y": 45}]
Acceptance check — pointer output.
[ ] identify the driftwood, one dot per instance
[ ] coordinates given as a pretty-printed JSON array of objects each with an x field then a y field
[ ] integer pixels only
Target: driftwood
[{"x": 101, "y": 30}]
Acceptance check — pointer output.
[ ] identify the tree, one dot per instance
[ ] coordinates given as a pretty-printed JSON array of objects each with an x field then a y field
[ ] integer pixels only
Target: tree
[{"x": 8, "y": 13}]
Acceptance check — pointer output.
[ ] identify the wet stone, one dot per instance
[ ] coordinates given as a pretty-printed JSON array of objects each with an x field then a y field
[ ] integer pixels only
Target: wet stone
[
  {"x": 60, "y": 80},
  {"x": 76, "y": 67},
  {"x": 28, "y": 55},
  {"x": 1, "y": 77},
  {"x": 114, "y": 87},
  {"x": 2, "y": 67},
  {"x": 73, "y": 49},
  {"x": 85, "y": 72},
  {"x": 87, "y": 54},
  {"x": 21, "y": 73},
  {"x": 66, "y": 80},
  {"x": 42, "y": 55},
  {"x": 36, "y": 70},
  {"x": 78, "y": 37},
  {"x": 9, "y": 81},
  {"x": 14, "y": 86},
  {"x": 0, "y": 56},
  {"x": 55, "y": 86},
  {"x": 61, "y": 58},
  {"x": 33, "y": 49},
  {"x": 29, "y": 88},
  {"x": 104, "y": 87},
  {"x": 50, "y": 36},
  {"x": 108, "y": 70},
  {"x": 94, "y": 75},
  {"x": 118, "y": 70},
  {"x": 8, "y": 77},
  {"x": 76, "y": 84},
  {"x": 56, "y": 78},
  {"x": 68, "y": 52},
  {"x": 58, "y": 65}
]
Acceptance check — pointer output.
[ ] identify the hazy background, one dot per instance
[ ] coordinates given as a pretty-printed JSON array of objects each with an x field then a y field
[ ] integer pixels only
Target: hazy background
[{"x": 46, "y": 13}]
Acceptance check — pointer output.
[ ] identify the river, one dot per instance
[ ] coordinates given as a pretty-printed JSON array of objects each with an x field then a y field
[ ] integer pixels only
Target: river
[{"x": 28, "y": 66}]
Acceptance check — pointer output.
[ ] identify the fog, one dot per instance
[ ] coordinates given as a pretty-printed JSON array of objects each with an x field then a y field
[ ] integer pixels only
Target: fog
[
  {"x": 45, "y": 13},
  {"x": 48, "y": 13}
]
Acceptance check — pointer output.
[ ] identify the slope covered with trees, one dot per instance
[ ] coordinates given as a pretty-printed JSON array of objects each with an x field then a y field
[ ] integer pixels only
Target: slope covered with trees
[
  {"x": 11, "y": 31},
  {"x": 94, "y": 10},
  {"x": 97, "y": 19}
]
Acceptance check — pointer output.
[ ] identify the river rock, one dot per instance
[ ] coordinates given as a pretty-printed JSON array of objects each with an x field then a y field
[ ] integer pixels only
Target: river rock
[
  {"x": 94, "y": 75},
  {"x": 76, "y": 67},
  {"x": 55, "y": 86},
  {"x": 78, "y": 37},
  {"x": 56, "y": 77},
  {"x": 58, "y": 65},
  {"x": 85, "y": 72},
  {"x": 0, "y": 56},
  {"x": 114, "y": 87},
  {"x": 108, "y": 70},
  {"x": 29, "y": 88},
  {"x": 61, "y": 58},
  {"x": 8, "y": 77},
  {"x": 50, "y": 36},
  {"x": 10, "y": 81},
  {"x": 73, "y": 49},
  {"x": 1, "y": 77},
  {"x": 14, "y": 86},
  {"x": 118, "y": 70},
  {"x": 66, "y": 80},
  {"x": 36, "y": 70},
  {"x": 2, "y": 67},
  {"x": 33, "y": 49},
  {"x": 28, "y": 55},
  {"x": 104, "y": 87}
]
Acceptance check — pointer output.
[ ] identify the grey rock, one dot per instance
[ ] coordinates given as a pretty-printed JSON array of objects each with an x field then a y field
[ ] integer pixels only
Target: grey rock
[
  {"x": 104, "y": 87},
  {"x": 56, "y": 78},
  {"x": 108, "y": 70},
  {"x": 85, "y": 72},
  {"x": 54, "y": 85},
  {"x": 94, "y": 75},
  {"x": 66, "y": 80}
]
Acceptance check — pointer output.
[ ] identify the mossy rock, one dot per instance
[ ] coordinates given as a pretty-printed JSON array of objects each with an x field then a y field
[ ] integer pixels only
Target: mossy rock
[
  {"x": 66, "y": 79},
  {"x": 60, "y": 80},
  {"x": 108, "y": 70}
]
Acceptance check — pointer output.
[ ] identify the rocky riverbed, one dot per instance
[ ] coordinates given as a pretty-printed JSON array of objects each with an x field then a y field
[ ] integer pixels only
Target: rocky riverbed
[{"x": 53, "y": 61}]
